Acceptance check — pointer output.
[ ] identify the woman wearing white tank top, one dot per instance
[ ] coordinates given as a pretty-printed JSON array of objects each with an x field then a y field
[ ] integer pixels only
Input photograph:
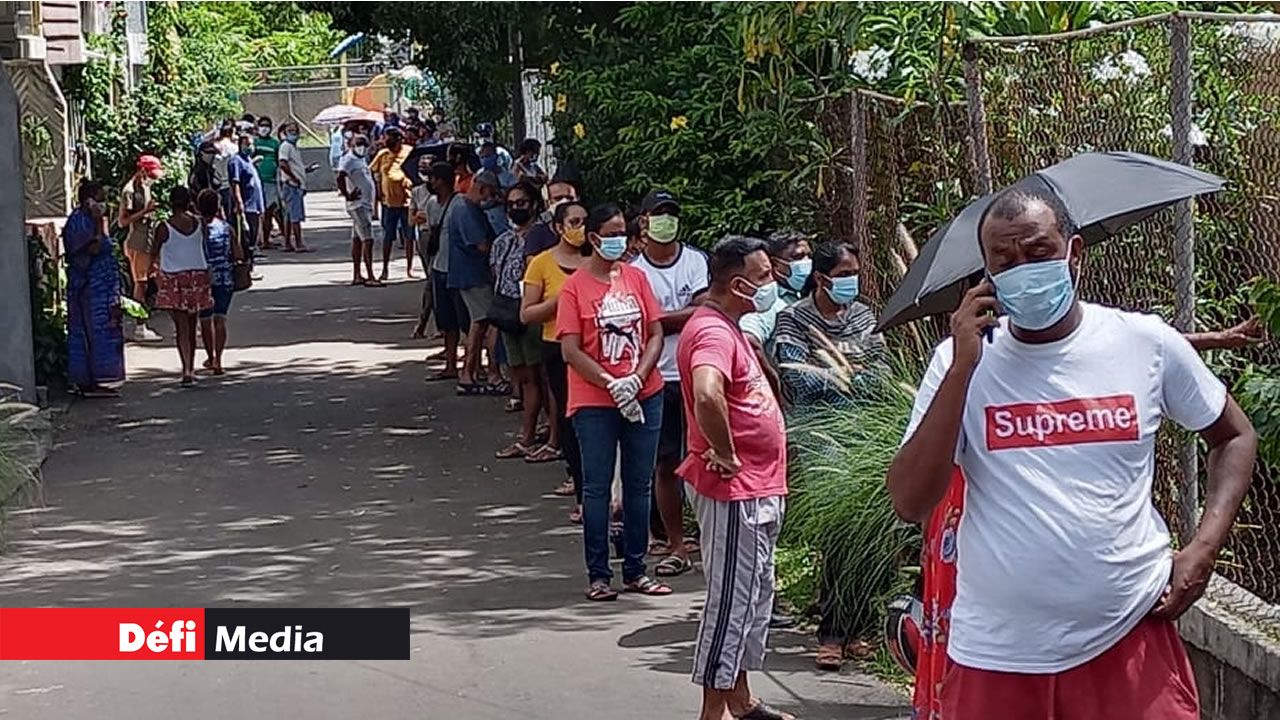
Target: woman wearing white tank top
[{"x": 184, "y": 275}]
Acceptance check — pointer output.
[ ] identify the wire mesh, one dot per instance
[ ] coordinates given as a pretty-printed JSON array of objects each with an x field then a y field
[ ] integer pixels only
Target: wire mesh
[
  {"x": 908, "y": 173},
  {"x": 1114, "y": 88}
]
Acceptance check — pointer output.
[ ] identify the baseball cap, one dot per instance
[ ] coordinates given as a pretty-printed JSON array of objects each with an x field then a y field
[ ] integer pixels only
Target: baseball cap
[
  {"x": 657, "y": 199},
  {"x": 150, "y": 164},
  {"x": 488, "y": 177}
]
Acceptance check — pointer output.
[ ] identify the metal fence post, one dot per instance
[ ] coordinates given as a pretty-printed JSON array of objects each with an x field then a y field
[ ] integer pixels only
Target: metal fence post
[
  {"x": 1184, "y": 259},
  {"x": 979, "y": 150},
  {"x": 858, "y": 168}
]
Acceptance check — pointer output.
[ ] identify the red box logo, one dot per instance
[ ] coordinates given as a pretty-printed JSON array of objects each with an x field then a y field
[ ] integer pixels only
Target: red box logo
[
  {"x": 101, "y": 633},
  {"x": 1113, "y": 418}
]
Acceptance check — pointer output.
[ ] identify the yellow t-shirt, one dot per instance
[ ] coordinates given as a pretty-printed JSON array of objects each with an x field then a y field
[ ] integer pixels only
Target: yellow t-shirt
[
  {"x": 395, "y": 186},
  {"x": 542, "y": 269}
]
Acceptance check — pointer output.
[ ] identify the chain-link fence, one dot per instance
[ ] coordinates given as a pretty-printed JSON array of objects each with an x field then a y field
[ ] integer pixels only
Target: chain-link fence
[{"x": 1196, "y": 88}]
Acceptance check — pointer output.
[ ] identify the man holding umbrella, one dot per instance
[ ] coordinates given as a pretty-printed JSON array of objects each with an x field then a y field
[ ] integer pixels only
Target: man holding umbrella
[{"x": 1067, "y": 590}]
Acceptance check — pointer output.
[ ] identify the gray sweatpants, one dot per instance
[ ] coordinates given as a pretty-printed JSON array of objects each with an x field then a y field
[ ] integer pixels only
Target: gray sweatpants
[{"x": 738, "y": 540}]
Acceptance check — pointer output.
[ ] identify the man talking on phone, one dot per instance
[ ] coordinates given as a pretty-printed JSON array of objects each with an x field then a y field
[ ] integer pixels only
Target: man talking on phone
[{"x": 1066, "y": 585}]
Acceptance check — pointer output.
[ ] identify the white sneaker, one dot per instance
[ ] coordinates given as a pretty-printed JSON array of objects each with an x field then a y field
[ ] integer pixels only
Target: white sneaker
[{"x": 142, "y": 333}]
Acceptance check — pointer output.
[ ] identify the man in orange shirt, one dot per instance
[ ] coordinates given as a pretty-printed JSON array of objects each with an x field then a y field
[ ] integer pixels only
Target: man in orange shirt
[{"x": 393, "y": 192}]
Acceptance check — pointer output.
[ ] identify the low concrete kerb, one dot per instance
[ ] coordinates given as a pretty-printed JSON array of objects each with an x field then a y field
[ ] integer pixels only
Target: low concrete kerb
[{"x": 1237, "y": 627}]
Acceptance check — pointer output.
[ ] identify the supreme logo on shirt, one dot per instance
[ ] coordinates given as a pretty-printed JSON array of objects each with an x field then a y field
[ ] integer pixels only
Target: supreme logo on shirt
[{"x": 1113, "y": 418}]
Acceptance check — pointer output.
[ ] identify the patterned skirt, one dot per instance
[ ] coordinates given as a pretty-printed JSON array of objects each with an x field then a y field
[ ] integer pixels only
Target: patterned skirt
[{"x": 186, "y": 291}]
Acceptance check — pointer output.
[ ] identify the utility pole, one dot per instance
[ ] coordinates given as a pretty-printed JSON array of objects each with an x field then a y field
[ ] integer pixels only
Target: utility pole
[{"x": 515, "y": 42}]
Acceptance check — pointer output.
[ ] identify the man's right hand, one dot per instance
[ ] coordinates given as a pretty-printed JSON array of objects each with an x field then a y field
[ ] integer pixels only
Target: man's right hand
[
  {"x": 725, "y": 464},
  {"x": 970, "y": 322}
]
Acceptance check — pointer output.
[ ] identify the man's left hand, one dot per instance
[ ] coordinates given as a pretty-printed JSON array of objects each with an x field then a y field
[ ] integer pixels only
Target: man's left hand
[
  {"x": 1192, "y": 566},
  {"x": 1248, "y": 332}
]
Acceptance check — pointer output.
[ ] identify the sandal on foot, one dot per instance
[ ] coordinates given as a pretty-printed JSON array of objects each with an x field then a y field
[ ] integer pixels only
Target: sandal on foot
[
  {"x": 859, "y": 650},
  {"x": 470, "y": 389},
  {"x": 764, "y": 711},
  {"x": 575, "y": 516},
  {"x": 514, "y": 405},
  {"x": 515, "y": 450},
  {"x": 544, "y": 454},
  {"x": 646, "y": 585},
  {"x": 659, "y": 548},
  {"x": 672, "y": 566},
  {"x": 830, "y": 657},
  {"x": 601, "y": 592},
  {"x": 565, "y": 489},
  {"x": 371, "y": 282},
  {"x": 498, "y": 388}
]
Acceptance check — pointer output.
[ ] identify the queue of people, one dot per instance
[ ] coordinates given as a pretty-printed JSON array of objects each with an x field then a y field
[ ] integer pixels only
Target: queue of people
[{"x": 663, "y": 376}]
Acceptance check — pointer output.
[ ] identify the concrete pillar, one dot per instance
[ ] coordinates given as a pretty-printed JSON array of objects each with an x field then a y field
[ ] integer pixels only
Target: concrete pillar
[{"x": 17, "y": 361}]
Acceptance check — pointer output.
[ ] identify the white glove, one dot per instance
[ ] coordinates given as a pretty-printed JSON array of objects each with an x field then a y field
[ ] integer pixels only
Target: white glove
[
  {"x": 624, "y": 389},
  {"x": 632, "y": 412}
]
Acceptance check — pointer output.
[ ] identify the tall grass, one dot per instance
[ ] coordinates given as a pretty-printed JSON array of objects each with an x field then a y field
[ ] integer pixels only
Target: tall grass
[{"x": 839, "y": 511}]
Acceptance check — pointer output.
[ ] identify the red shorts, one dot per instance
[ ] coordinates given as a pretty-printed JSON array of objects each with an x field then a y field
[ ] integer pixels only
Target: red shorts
[{"x": 1146, "y": 676}]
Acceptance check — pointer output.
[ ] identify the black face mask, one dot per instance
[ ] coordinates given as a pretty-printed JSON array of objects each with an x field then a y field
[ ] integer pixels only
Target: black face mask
[{"x": 520, "y": 216}]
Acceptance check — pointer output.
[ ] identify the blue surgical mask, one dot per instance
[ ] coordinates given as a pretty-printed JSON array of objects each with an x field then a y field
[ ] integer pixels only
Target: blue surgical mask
[
  {"x": 1036, "y": 295},
  {"x": 843, "y": 290},
  {"x": 613, "y": 247},
  {"x": 763, "y": 298},
  {"x": 799, "y": 274},
  {"x": 291, "y": 137}
]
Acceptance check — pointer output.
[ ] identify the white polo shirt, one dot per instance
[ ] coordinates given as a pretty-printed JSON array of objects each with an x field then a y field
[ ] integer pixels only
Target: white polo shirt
[{"x": 1060, "y": 551}]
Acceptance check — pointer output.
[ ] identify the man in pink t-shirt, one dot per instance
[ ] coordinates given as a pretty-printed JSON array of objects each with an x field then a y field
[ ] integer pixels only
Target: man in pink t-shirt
[{"x": 736, "y": 472}]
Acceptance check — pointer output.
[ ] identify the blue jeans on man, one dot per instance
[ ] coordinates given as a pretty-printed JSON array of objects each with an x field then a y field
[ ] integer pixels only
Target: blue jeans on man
[{"x": 602, "y": 433}]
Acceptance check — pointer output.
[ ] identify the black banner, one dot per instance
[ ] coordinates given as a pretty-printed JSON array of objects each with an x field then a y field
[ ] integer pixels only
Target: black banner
[{"x": 306, "y": 634}]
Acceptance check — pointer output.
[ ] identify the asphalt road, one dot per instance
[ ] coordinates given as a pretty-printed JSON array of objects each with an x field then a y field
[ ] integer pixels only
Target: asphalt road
[{"x": 322, "y": 471}]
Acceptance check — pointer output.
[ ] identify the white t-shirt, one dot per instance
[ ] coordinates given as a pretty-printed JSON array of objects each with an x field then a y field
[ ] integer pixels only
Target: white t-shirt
[
  {"x": 675, "y": 286},
  {"x": 292, "y": 154},
  {"x": 227, "y": 149},
  {"x": 1060, "y": 552},
  {"x": 359, "y": 177}
]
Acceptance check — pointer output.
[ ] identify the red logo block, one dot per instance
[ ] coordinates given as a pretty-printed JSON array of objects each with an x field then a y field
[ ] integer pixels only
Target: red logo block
[
  {"x": 1113, "y": 418},
  {"x": 101, "y": 633}
]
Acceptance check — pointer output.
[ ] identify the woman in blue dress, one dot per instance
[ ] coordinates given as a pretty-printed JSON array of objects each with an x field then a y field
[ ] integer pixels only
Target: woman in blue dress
[{"x": 95, "y": 333}]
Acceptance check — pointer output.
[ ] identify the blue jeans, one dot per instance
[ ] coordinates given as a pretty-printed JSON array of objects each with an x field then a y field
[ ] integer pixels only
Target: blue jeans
[
  {"x": 395, "y": 223},
  {"x": 601, "y": 431}
]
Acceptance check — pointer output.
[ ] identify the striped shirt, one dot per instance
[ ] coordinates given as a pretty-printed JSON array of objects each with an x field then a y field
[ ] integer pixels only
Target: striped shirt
[{"x": 794, "y": 344}]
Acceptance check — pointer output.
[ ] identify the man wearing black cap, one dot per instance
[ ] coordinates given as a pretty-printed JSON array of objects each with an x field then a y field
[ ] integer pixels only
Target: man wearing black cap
[
  {"x": 470, "y": 234},
  {"x": 680, "y": 277}
]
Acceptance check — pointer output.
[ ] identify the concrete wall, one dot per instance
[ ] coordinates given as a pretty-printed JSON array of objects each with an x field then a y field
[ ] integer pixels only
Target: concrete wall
[
  {"x": 17, "y": 361},
  {"x": 1233, "y": 638}
]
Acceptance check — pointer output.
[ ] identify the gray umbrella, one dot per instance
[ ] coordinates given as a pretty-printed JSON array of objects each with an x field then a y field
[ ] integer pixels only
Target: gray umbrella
[{"x": 1104, "y": 192}]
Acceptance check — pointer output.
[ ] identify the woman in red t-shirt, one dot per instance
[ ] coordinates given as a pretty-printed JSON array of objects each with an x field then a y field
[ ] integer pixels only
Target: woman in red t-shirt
[{"x": 610, "y": 331}]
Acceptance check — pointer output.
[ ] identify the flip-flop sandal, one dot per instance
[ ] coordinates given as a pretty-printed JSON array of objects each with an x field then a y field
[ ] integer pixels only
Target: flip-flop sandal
[
  {"x": 471, "y": 389},
  {"x": 601, "y": 592},
  {"x": 513, "y": 451},
  {"x": 691, "y": 546},
  {"x": 659, "y": 548},
  {"x": 544, "y": 454},
  {"x": 514, "y": 405},
  {"x": 764, "y": 711},
  {"x": 497, "y": 389},
  {"x": 646, "y": 585},
  {"x": 374, "y": 283},
  {"x": 830, "y": 657},
  {"x": 673, "y": 566}
]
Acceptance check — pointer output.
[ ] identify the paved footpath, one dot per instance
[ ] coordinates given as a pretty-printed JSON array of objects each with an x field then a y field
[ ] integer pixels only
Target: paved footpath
[{"x": 323, "y": 471}]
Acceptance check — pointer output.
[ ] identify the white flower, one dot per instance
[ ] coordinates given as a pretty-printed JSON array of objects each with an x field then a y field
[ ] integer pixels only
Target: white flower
[
  {"x": 1106, "y": 71},
  {"x": 1256, "y": 33},
  {"x": 1197, "y": 136},
  {"x": 1136, "y": 63},
  {"x": 871, "y": 64}
]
